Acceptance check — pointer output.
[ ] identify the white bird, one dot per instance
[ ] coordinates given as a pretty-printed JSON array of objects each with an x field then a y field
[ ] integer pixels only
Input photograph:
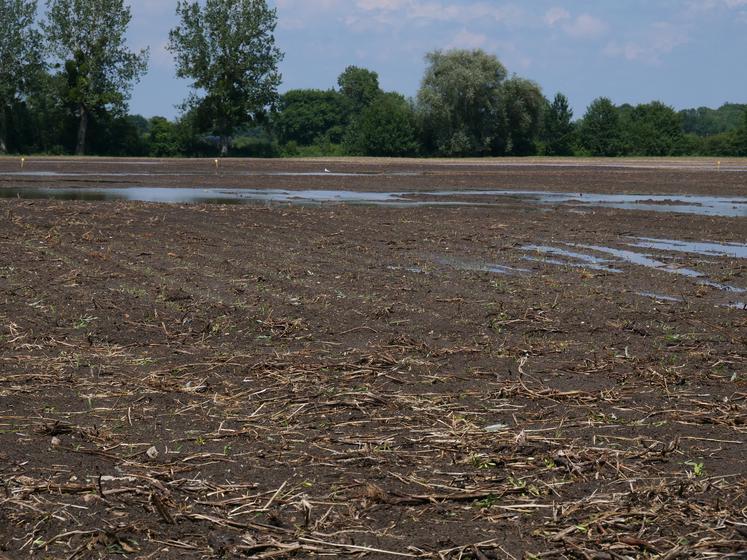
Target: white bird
[{"x": 327, "y": 170}]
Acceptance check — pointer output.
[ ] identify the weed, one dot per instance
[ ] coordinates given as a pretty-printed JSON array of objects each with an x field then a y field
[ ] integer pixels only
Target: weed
[
  {"x": 84, "y": 322},
  {"x": 487, "y": 502},
  {"x": 698, "y": 468}
]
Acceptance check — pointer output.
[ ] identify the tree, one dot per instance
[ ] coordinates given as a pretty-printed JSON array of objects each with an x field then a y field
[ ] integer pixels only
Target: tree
[
  {"x": 707, "y": 122},
  {"x": 558, "y": 132},
  {"x": 522, "y": 105},
  {"x": 88, "y": 36},
  {"x": 386, "y": 127},
  {"x": 20, "y": 59},
  {"x": 740, "y": 137},
  {"x": 652, "y": 129},
  {"x": 228, "y": 49},
  {"x": 459, "y": 101},
  {"x": 599, "y": 132},
  {"x": 360, "y": 86},
  {"x": 307, "y": 115},
  {"x": 163, "y": 138}
]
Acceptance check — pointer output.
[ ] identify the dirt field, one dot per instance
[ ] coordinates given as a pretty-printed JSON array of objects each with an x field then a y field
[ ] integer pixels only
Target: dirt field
[{"x": 331, "y": 380}]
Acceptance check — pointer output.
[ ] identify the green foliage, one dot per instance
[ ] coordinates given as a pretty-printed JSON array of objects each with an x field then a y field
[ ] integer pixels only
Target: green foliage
[
  {"x": 558, "y": 134},
  {"x": 708, "y": 122},
  {"x": 360, "y": 86},
  {"x": 20, "y": 59},
  {"x": 386, "y": 127},
  {"x": 740, "y": 137},
  {"x": 522, "y": 106},
  {"x": 88, "y": 36},
  {"x": 163, "y": 138},
  {"x": 459, "y": 102},
  {"x": 228, "y": 49},
  {"x": 42, "y": 123},
  {"x": 307, "y": 116},
  {"x": 467, "y": 106},
  {"x": 652, "y": 129},
  {"x": 255, "y": 144},
  {"x": 600, "y": 132}
]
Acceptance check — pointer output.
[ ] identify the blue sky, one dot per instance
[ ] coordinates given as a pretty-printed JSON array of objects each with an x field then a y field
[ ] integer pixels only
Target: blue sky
[{"x": 687, "y": 53}]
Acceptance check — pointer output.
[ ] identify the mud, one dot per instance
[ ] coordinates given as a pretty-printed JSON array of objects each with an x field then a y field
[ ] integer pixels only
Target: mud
[{"x": 250, "y": 381}]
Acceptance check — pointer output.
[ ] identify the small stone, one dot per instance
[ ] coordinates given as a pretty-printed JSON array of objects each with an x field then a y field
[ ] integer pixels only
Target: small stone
[
  {"x": 56, "y": 441},
  {"x": 152, "y": 453}
]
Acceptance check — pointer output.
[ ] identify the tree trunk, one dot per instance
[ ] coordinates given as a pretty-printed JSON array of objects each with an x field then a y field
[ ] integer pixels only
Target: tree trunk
[
  {"x": 80, "y": 148},
  {"x": 3, "y": 131},
  {"x": 225, "y": 141}
]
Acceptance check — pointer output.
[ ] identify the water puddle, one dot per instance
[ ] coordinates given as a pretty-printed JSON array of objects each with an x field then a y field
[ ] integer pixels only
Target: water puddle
[
  {"x": 565, "y": 253},
  {"x": 734, "y": 206},
  {"x": 573, "y": 258},
  {"x": 140, "y": 194},
  {"x": 179, "y": 195},
  {"x": 559, "y": 262},
  {"x": 631, "y": 257},
  {"x": 734, "y": 250},
  {"x": 723, "y": 287},
  {"x": 701, "y": 205},
  {"x": 230, "y": 173},
  {"x": 660, "y": 297},
  {"x": 640, "y": 259},
  {"x": 63, "y": 174},
  {"x": 583, "y": 260},
  {"x": 461, "y": 264},
  {"x": 413, "y": 269}
]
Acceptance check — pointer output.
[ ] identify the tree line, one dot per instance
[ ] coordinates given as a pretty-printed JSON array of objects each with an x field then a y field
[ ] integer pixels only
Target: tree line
[{"x": 65, "y": 82}]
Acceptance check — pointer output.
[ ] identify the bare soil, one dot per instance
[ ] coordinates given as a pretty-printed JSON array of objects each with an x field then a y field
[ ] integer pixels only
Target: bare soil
[{"x": 217, "y": 381}]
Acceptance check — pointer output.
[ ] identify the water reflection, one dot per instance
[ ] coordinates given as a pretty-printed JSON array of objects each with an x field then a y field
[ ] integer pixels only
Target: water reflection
[{"x": 689, "y": 204}]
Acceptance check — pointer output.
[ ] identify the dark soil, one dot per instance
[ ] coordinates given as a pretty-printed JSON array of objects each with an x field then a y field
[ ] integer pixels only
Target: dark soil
[{"x": 215, "y": 381}]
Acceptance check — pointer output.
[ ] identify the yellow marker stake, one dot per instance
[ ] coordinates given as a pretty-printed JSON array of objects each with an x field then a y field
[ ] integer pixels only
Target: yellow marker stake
[
  {"x": 216, "y": 162},
  {"x": 23, "y": 162}
]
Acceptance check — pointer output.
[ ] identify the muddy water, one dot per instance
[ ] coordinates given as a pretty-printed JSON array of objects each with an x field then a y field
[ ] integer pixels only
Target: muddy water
[
  {"x": 687, "y": 204},
  {"x": 734, "y": 250}
]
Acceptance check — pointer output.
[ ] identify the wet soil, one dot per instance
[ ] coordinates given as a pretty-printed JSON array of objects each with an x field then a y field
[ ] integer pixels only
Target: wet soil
[{"x": 218, "y": 381}]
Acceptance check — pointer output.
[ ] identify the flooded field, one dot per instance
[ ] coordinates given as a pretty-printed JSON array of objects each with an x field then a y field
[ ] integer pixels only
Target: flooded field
[{"x": 373, "y": 359}]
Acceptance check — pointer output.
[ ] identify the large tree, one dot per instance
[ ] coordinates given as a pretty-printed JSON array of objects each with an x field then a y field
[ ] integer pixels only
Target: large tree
[
  {"x": 522, "y": 107},
  {"x": 19, "y": 57},
  {"x": 459, "y": 101},
  {"x": 600, "y": 132},
  {"x": 386, "y": 127},
  {"x": 652, "y": 129},
  {"x": 306, "y": 116},
  {"x": 740, "y": 137},
  {"x": 88, "y": 37},
  {"x": 228, "y": 49},
  {"x": 360, "y": 86},
  {"x": 558, "y": 132}
]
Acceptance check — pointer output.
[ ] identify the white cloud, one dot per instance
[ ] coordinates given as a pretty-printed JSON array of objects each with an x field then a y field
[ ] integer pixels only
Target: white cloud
[
  {"x": 585, "y": 26},
  {"x": 699, "y": 7},
  {"x": 660, "y": 39},
  {"x": 430, "y": 10},
  {"x": 468, "y": 40},
  {"x": 555, "y": 15}
]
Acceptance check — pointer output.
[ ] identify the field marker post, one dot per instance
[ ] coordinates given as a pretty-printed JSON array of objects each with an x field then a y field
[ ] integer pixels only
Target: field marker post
[{"x": 23, "y": 162}]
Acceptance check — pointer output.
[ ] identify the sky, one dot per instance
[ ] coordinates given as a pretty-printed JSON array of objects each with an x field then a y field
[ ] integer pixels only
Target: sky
[{"x": 686, "y": 53}]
